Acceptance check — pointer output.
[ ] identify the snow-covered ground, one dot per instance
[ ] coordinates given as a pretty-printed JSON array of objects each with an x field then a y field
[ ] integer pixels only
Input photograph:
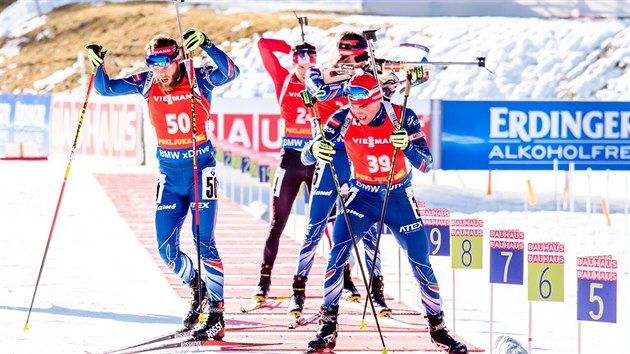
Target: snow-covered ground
[{"x": 100, "y": 286}]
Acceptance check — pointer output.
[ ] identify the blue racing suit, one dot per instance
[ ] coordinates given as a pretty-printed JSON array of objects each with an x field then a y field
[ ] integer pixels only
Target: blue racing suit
[{"x": 170, "y": 115}]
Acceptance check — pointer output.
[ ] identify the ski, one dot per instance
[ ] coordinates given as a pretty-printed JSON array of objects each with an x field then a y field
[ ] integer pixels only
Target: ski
[
  {"x": 260, "y": 305},
  {"x": 398, "y": 320},
  {"x": 299, "y": 320},
  {"x": 192, "y": 343},
  {"x": 180, "y": 333}
]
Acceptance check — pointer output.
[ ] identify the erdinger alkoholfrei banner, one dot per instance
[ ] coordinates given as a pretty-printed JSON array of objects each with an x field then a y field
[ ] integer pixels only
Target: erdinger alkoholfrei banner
[{"x": 481, "y": 135}]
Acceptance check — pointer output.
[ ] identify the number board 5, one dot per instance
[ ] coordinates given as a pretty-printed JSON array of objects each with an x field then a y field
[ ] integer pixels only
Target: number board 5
[{"x": 597, "y": 289}]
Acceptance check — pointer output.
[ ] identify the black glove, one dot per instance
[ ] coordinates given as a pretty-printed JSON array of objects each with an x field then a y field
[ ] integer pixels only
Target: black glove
[
  {"x": 96, "y": 54},
  {"x": 193, "y": 38}
]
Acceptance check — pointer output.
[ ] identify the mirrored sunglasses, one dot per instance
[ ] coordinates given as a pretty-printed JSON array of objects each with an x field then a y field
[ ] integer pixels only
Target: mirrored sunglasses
[
  {"x": 360, "y": 93},
  {"x": 162, "y": 60}
]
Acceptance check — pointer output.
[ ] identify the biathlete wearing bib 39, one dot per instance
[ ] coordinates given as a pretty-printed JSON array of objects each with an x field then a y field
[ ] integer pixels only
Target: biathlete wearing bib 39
[
  {"x": 170, "y": 114},
  {"x": 368, "y": 147},
  {"x": 372, "y": 135}
]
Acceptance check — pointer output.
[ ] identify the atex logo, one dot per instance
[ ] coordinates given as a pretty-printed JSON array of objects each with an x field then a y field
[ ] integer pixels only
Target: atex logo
[
  {"x": 202, "y": 205},
  {"x": 411, "y": 227},
  {"x": 167, "y": 207}
]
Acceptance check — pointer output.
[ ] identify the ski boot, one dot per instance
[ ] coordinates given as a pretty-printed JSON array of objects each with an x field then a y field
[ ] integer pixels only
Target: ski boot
[
  {"x": 296, "y": 305},
  {"x": 262, "y": 289},
  {"x": 350, "y": 292},
  {"x": 441, "y": 338},
  {"x": 214, "y": 327},
  {"x": 378, "y": 297},
  {"x": 196, "y": 308},
  {"x": 326, "y": 337}
]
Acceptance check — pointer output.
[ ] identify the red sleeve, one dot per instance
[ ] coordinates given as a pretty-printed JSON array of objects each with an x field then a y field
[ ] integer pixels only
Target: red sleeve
[{"x": 278, "y": 73}]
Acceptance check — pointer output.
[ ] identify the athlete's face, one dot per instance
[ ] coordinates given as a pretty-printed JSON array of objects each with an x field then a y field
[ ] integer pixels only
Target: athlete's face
[
  {"x": 166, "y": 75},
  {"x": 365, "y": 113},
  {"x": 300, "y": 70}
]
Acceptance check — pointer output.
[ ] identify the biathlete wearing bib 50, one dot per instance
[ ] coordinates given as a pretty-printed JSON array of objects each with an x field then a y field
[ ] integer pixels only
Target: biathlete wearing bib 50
[{"x": 167, "y": 90}]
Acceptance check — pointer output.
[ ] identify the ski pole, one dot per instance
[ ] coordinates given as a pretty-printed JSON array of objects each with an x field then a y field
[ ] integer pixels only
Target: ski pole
[
  {"x": 63, "y": 187},
  {"x": 389, "y": 184},
  {"x": 309, "y": 102},
  {"x": 193, "y": 117}
]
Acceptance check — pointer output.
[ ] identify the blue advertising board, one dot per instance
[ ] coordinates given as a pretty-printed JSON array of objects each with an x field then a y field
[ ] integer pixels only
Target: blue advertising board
[
  {"x": 481, "y": 135},
  {"x": 25, "y": 119}
]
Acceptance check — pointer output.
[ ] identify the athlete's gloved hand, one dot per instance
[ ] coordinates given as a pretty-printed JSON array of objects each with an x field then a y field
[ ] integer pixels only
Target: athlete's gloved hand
[
  {"x": 96, "y": 54},
  {"x": 400, "y": 139},
  {"x": 323, "y": 151},
  {"x": 194, "y": 38}
]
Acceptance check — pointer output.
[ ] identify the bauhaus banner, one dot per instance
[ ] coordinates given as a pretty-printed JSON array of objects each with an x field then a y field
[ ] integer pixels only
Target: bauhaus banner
[{"x": 530, "y": 135}]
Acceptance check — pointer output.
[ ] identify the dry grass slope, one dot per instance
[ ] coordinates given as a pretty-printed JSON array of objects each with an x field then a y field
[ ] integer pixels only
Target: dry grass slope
[
  {"x": 124, "y": 28},
  {"x": 5, "y": 3}
]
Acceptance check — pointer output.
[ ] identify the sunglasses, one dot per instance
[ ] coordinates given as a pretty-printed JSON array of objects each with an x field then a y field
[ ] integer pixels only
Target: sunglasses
[
  {"x": 162, "y": 60},
  {"x": 350, "y": 47},
  {"x": 304, "y": 56},
  {"x": 360, "y": 93},
  {"x": 303, "y": 51}
]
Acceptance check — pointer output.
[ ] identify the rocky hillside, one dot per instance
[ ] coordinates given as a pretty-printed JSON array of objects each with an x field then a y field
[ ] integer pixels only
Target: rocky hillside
[
  {"x": 530, "y": 58},
  {"x": 124, "y": 28}
]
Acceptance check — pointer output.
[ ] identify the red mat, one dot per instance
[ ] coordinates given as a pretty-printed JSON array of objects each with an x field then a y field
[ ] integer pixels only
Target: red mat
[{"x": 240, "y": 238}]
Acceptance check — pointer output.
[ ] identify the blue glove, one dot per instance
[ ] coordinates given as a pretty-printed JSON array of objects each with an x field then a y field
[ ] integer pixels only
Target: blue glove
[
  {"x": 323, "y": 151},
  {"x": 194, "y": 38},
  {"x": 96, "y": 54},
  {"x": 400, "y": 139}
]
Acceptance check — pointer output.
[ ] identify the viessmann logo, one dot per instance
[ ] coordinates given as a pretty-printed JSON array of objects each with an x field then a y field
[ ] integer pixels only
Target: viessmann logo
[
  {"x": 170, "y": 98},
  {"x": 371, "y": 141}
]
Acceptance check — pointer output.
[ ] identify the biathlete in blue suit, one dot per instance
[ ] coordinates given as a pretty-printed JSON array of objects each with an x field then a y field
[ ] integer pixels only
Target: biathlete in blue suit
[
  {"x": 372, "y": 134},
  {"x": 167, "y": 90}
]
